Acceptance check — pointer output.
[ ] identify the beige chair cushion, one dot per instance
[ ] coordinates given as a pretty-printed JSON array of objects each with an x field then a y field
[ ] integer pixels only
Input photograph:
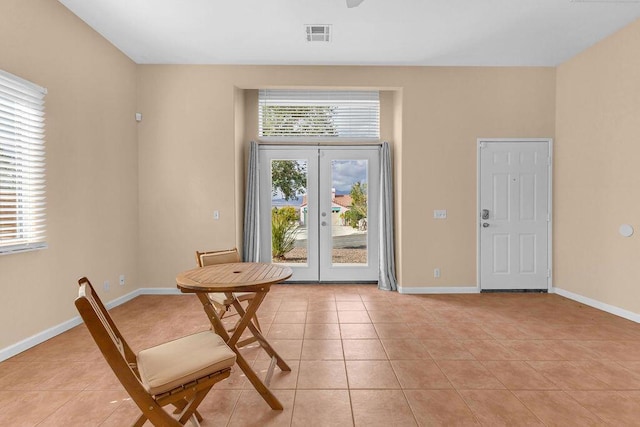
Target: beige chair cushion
[
  {"x": 221, "y": 298},
  {"x": 181, "y": 361}
]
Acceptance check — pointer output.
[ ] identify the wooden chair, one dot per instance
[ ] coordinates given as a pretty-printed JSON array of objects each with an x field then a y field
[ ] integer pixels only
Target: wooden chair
[
  {"x": 220, "y": 301},
  {"x": 179, "y": 372}
]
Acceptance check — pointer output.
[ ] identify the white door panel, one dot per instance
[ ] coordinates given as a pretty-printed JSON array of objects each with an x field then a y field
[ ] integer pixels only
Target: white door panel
[
  {"x": 353, "y": 165},
  {"x": 306, "y": 265},
  {"x": 514, "y": 236}
]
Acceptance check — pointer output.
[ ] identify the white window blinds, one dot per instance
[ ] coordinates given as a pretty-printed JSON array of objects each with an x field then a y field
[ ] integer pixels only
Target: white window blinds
[
  {"x": 319, "y": 114},
  {"x": 22, "y": 165}
]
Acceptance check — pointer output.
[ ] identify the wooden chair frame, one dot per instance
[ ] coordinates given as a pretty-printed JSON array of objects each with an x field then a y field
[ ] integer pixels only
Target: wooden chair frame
[
  {"x": 226, "y": 256},
  {"x": 123, "y": 362}
]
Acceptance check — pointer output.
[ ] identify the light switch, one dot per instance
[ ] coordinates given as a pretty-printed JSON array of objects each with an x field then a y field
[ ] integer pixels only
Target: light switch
[
  {"x": 216, "y": 214},
  {"x": 440, "y": 214}
]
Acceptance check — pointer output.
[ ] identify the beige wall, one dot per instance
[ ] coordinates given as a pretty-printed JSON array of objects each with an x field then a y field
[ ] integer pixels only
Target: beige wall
[
  {"x": 396, "y": 153},
  {"x": 445, "y": 111},
  {"x": 138, "y": 199},
  {"x": 188, "y": 168},
  {"x": 597, "y": 174},
  {"x": 239, "y": 154},
  {"x": 91, "y": 166}
]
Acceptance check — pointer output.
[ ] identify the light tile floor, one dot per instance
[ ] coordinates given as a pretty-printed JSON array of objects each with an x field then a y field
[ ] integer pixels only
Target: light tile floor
[{"x": 363, "y": 357}]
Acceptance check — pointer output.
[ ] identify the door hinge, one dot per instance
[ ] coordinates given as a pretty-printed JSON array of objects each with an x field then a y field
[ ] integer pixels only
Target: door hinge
[
  {"x": 548, "y": 273},
  {"x": 548, "y": 161},
  {"x": 482, "y": 145}
]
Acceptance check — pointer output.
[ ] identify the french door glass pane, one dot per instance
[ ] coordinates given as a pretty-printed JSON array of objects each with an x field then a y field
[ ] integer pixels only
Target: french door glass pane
[
  {"x": 289, "y": 211},
  {"x": 349, "y": 211}
]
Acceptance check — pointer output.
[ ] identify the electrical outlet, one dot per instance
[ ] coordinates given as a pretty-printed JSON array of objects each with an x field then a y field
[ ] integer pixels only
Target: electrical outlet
[
  {"x": 106, "y": 286},
  {"x": 436, "y": 273},
  {"x": 122, "y": 280},
  {"x": 440, "y": 214}
]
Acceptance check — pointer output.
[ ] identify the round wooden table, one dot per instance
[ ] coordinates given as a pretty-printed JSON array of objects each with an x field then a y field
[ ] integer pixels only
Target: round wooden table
[
  {"x": 232, "y": 277},
  {"x": 239, "y": 277}
]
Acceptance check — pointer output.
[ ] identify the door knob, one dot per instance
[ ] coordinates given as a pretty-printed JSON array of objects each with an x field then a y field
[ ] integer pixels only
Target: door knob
[
  {"x": 323, "y": 223},
  {"x": 485, "y": 224}
]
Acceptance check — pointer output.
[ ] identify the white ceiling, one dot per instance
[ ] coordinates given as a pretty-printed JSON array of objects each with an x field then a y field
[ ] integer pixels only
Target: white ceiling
[{"x": 378, "y": 32}]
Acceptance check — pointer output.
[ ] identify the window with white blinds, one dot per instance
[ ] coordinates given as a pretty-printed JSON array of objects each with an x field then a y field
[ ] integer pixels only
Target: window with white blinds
[
  {"x": 22, "y": 165},
  {"x": 319, "y": 114}
]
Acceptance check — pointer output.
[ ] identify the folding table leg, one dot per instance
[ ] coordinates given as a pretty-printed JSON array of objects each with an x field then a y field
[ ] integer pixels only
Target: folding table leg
[
  {"x": 256, "y": 333},
  {"x": 264, "y": 391},
  {"x": 257, "y": 383}
]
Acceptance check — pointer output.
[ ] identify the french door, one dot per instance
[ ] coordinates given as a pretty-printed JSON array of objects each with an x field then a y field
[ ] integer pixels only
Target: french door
[
  {"x": 319, "y": 211},
  {"x": 515, "y": 214}
]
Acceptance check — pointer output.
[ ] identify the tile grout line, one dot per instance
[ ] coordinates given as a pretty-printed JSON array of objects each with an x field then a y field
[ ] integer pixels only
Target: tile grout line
[
  {"x": 235, "y": 406},
  {"x": 346, "y": 373}
]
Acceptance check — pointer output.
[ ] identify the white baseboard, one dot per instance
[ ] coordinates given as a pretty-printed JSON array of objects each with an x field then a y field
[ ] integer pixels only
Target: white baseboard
[
  {"x": 439, "y": 290},
  {"x": 160, "y": 291},
  {"x": 41, "y": 337},
  {"x": 38, "y": 338},
  {"x": 124, "y": 298},
  {"x": 621, "y": 312}
]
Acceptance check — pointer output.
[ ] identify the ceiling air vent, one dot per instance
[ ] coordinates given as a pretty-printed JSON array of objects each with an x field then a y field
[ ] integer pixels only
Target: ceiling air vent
[{"x": 318, "y": 33}]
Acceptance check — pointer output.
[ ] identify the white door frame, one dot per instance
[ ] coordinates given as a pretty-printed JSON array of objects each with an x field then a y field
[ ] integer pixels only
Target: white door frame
[
  {"x": 549, "y": 142},
  {"x": 314, "y": 270}
]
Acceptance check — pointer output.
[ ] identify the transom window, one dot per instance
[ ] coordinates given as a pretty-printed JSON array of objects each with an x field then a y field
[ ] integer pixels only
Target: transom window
[{"x": 319, "y": 114}]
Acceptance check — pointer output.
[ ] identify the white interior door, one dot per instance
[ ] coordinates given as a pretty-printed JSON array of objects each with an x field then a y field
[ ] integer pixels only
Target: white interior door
[
  {"x": 514, "y": 217},
  {"x": 335, "y": 232}
]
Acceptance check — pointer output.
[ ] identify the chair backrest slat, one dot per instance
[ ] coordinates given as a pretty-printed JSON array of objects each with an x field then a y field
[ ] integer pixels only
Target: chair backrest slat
[
  {"x": 117, "y": 341},
  {"x": 217, "y": 257},
  {"x": 103, "y": 314}
]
